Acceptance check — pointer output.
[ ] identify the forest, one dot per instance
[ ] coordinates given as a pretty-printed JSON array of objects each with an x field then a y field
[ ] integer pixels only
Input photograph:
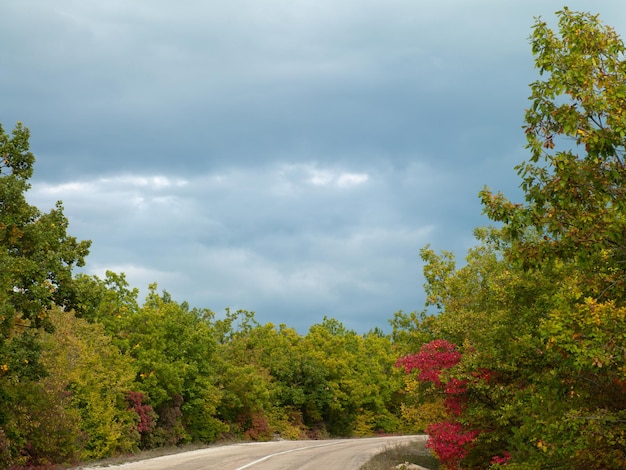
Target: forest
[{"x": 518, "y": 359}]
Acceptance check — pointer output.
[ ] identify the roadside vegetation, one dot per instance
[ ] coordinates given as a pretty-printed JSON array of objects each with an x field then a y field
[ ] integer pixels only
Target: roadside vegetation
[
  {"x": 395, "y": 456},
  {"x": 518, "y": 360}
]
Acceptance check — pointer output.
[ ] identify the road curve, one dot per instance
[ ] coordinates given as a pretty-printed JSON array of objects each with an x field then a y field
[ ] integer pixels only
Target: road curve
[{"x": 332, "y": 454}]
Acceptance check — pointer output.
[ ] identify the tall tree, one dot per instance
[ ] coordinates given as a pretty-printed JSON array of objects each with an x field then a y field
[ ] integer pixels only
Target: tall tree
[
  {"x": 37, "y": 255},
  {"x": 538, "y": 313},
  {"x": 36, "y": 261},
  {"x": 574, "y": 218},
  {"x": 574, "y": 181}
]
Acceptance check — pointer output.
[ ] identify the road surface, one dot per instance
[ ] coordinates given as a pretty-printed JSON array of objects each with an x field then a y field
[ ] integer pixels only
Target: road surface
[{"x": 334, "y": 454}]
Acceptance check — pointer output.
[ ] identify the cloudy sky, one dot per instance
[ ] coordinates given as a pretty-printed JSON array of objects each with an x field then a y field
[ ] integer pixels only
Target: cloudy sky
[{"x": 289, "y": 157}]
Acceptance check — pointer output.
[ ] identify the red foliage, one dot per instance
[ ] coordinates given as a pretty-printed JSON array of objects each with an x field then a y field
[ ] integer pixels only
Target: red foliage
[
  {"x": 259, "y": 428},
  {"x": 145, "y": 412},
  {"x": 450, "y": 441},
  {"x": 432, "y": 359},
  {"x": 501, "y": 460},
  {"x": 456, "y": 398}
]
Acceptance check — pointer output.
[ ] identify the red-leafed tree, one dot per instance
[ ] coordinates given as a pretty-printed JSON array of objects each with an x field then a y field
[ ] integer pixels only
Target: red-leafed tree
[
  {"x": 145, "y": 413},
  {"x": 450, "y": 440}
]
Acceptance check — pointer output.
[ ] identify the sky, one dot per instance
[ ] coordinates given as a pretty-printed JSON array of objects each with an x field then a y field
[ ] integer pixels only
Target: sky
[{"x": 288, "y": 157}]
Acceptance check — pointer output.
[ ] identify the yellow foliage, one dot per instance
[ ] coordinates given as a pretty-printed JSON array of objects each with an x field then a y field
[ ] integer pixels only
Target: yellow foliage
[
  {"x": 363, "y": 424},
  {"x": 81, "y": 356},
  {"x": 420, "y": 416},
  {"x": 592, "y": 333}
]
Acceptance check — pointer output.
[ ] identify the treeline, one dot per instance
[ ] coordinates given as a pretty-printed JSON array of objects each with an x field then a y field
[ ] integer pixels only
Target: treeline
[
  {"x": 87, "y": 371},
  {"x": 123, "y": 377}
]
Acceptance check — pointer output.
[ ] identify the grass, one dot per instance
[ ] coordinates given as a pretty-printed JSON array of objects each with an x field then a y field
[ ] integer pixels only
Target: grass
[{"x": 415, "y": 453}]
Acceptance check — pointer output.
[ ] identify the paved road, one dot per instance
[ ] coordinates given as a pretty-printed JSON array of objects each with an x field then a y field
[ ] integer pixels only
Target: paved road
[{"x": 335, "y": 454}]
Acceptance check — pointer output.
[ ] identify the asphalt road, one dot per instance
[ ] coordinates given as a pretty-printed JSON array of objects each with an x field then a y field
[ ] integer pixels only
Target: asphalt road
[{"x": 335, "y": 454}]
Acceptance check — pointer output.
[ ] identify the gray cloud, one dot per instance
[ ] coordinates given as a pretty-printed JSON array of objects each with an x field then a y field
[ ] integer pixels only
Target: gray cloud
[
  {"x": 275, "y": 239},
  {"x": 288, "y": 157}
]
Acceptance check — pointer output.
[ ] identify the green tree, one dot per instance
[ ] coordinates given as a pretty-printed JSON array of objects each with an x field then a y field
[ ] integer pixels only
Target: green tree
[
  {"x": 359, "y": 387},
  {"x": 42, "y": 427},
  {"x": 379, "y": 395},
  {"x": 175, "y": 353},
  {"x": 36, "y": 261},
  {"x": 37, "y": 254},
  {"x": 574, "y": 219},
  {"x": 298, "y": 379},
  {"x": 576, "y": 131},
  {"x": 411, "y": 330},
  {"x": 493, "y": 310},
  {"x": 248, "y": 399},
  {"x": 106, "y": 300},
  {"x": 538, "y": 310}
]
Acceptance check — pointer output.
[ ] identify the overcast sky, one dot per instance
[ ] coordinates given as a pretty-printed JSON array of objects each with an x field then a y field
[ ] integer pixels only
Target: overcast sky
[{"x": 288, "y": 157}]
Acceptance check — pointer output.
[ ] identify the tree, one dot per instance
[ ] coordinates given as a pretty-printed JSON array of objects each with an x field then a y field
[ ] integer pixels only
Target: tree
[
  {"x": 37, "y": 254},
  {"x": 544, "y": 375},
  {"x": 576, "y": 132},
  {"x": 298, "y": 379},
  {"x": 36, "y": 261},
  {"x": 410, "y": 331},
  {"x": 105, "y": 300},
  {"x": 96, "y": 378},
  {"x": 574, "y": 218},
  {"x": 358, "y": 389},
  {"x": 246, "y": 384},
  {"x": 491, "y": 310},
  {"x": 174, "y": 350}
]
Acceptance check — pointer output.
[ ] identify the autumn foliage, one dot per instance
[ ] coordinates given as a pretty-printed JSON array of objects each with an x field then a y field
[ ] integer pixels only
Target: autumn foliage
[
  {"x": 517, "y": 360},
  {"x": 525, "y": 354},
  {"x": 431, "y": 361},
  {"x": 449, "y": 440},
  {"x": 145, "y": 413}
]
